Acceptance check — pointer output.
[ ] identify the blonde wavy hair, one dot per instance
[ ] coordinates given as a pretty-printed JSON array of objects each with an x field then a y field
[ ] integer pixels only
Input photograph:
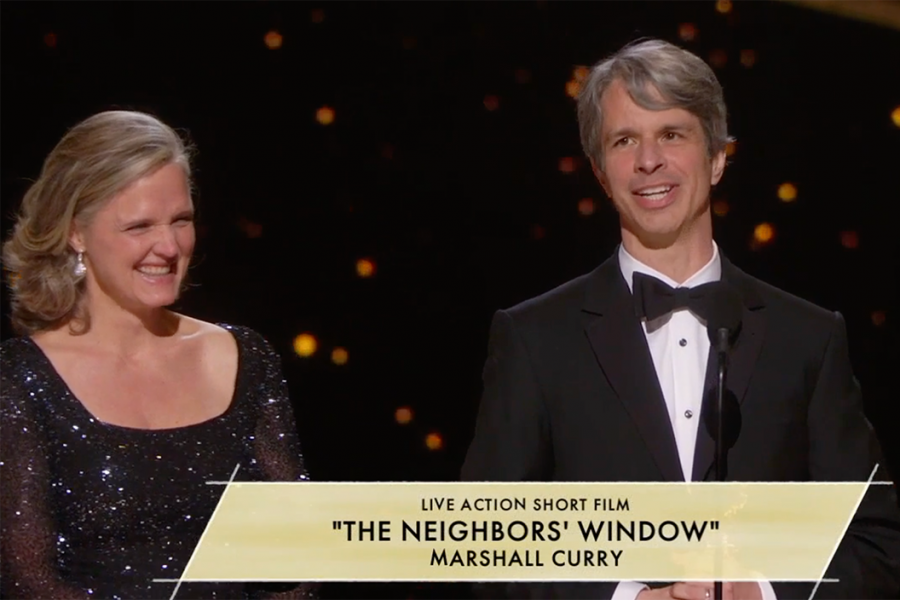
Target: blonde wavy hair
[{"x": 95, "y": 161}]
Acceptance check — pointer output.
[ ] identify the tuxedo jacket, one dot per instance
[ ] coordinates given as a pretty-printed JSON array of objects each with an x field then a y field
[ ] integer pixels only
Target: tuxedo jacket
[{"x": 571, "y": 394}]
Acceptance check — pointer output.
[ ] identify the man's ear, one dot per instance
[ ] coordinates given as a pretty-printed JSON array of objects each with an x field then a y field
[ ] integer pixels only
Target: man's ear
[
  {"x": 718, "y": 167},
  {"x": 601, "y": 177}
]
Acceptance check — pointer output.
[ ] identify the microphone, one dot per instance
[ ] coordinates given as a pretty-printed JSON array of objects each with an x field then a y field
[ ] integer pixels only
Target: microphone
[
  {"x": 722, "y": 418},
  {"x": 724, "y": 311}
]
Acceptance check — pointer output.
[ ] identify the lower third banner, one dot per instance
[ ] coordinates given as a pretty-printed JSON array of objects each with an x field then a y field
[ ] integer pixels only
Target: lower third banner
[{"x": 524, "y": 531}]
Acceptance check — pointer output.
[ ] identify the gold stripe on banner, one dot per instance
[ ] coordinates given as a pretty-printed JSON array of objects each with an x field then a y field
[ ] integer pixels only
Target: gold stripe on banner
[
  {"x": 524, "y": 531},
  {"x": 885, "y": 13}
]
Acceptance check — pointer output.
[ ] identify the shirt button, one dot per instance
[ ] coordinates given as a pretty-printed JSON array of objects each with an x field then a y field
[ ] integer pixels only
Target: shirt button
[
  {"x": 688, "y": 414},
  {"x": 682, "y": 342}
]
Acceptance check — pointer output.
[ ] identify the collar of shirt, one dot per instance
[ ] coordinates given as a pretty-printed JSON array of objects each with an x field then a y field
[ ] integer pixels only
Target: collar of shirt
[{"x": 711, "y": 271}]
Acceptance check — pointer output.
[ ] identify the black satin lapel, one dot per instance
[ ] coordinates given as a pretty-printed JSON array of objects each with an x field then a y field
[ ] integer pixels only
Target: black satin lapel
[
  {"x": 741, "y": 362},
  {"x": 620, "y": 346},
  {"x": 745, "y": 352}
]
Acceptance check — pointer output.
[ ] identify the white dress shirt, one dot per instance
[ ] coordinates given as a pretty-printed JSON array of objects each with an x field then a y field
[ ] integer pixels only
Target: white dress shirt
[{"x": 679, "y": 347}]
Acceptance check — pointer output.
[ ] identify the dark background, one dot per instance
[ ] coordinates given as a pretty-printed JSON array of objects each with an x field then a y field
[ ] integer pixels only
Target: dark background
[{"x": 463, "y": 209}]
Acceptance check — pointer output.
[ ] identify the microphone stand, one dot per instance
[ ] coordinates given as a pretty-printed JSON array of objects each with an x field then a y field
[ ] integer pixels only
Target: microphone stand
[{"x": 721, "y": 468}]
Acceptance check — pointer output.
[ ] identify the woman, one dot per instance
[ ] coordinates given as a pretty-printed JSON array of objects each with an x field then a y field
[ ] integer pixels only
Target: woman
[{"x": 115, "y": 410}]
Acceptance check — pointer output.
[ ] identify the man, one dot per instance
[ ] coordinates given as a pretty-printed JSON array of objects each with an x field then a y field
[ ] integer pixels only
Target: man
[{"x": 593, "y": 382}]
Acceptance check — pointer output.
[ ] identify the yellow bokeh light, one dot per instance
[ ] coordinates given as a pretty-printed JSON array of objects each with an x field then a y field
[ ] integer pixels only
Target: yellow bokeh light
[
  {"x": 339, "y": 356},
  {"x": 720, "y": 208},
  {"x": 849, "y": 240},
  {"x": 273, "y": 40},
  {"x": 723, "y": 6},
  {"x": 365, "y": 267},
  {"x": 895, "y": 116},
  {"x": 878, "y": 318},
  {"x": 787, "y": 192},
  {"x": 491, "y": 102},
  {"x": 325, "y": 115},
  {"x": 687, "y": 32},
  {"x": 586, "y": 206},
  {"x": 305, "y": 345},
  {"x": 403, "y": 415},
  {"x": 573, "y": 88},
  {"x": 434, "y": 441},
  {"x": 764, "y": 233}
]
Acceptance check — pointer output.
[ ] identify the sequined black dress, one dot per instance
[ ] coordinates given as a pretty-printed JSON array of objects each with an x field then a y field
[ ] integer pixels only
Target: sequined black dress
[{"x": 92, "y": 510}]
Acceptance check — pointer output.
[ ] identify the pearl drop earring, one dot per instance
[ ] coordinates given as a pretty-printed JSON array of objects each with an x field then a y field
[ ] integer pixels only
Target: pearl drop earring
[{"x": 80, "y": 267}]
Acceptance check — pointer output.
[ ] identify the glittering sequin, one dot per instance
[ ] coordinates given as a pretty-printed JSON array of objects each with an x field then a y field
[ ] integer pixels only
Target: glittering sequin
[{"x": 92, "y": 510}]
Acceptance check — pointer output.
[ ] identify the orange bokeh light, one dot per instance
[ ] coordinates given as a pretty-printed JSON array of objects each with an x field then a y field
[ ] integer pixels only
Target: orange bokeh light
[
  {"x": 305, "y": 345},
  {"x": 325, "y": 115},
  {"x": 403, "y": 415},
  {"x": 723, "y": 6},
  {"x": 434, "y": 441},
  {"x": 365, "y": 267},
  {"x": 878, "y": 318},
  {"x": 586, "y": 206},
  {"x": 687, "y": 32},
  {"x": 340, "y": 356},
  {"x": 849, "y": 239},
  {"x": 567, "y": 164},
  {"x": 764, "y": 233},
  {"x": 273, "y": 40},
  {"x": 491, "y": 102},
  {"x": 720, "y": 208},
  {"x": 787, "y": 192},
  {"x": 748, "y": 58}
]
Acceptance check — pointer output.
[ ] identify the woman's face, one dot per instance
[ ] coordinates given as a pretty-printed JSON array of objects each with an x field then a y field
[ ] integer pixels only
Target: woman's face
[{"x": 139, "y": 245}]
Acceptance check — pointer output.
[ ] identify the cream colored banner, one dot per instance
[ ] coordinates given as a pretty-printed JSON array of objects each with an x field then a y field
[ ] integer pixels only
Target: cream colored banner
[{"x": 524, "y": 531}]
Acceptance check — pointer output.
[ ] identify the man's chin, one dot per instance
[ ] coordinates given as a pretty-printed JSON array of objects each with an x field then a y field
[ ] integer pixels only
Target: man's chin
[{"x": 658, "y": 239}]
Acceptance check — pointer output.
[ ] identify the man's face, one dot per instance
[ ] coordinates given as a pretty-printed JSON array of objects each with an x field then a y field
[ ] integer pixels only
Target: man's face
[{"x": 656, "y": 168}]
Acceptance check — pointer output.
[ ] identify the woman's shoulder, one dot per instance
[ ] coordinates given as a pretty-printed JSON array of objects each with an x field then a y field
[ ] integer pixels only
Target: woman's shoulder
[
  {"x": 248, "y": 340},
  {"x": 23, "y": 374},
  {"x": 16, "y": 352}
]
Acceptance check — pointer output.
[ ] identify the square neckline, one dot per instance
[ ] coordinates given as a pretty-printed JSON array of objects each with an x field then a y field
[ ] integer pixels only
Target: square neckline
[{"x": 80, "y": 406}]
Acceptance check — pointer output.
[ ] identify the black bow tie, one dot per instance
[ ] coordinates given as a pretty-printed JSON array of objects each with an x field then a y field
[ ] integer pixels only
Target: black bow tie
[{"x": 654, "y": 298}]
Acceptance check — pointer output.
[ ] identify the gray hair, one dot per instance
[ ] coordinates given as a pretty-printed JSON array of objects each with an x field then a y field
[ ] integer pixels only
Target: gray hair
[
  {"x": 681, "y": 78},
  {"x": 94, "y": 161}
]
